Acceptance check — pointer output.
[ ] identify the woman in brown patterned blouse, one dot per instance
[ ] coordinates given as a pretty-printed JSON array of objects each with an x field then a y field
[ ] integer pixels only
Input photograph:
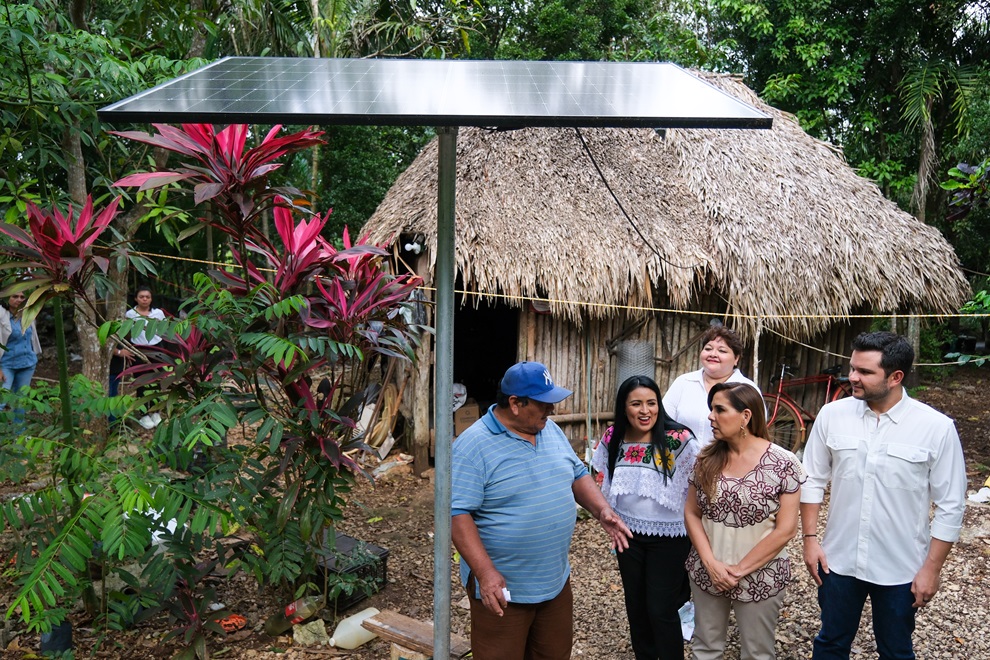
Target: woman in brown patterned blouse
[{"x": 741, "y": 511}]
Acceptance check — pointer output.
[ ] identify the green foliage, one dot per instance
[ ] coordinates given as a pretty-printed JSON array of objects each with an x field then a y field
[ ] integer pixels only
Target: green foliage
[
  {"x": 54, "y": 78},
  {"x": 95, "y": 513},
  {"x": 859, "y": 75},
  {"x": 967, "y": 222},
  {"x": 670, "y": 30},
  {"x": 979, "y": 306},
  {"x": 569, "y": 29},
  {"x": 358, "y": 167},
  {"x": 928, "y": 81}
]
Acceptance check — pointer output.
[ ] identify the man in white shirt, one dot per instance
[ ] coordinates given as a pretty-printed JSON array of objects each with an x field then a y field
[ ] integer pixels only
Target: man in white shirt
[{"x": 888, "y": 458}]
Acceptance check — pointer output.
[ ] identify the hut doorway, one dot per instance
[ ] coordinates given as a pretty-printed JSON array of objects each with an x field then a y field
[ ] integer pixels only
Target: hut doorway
[{"x": 485, "y": 342}]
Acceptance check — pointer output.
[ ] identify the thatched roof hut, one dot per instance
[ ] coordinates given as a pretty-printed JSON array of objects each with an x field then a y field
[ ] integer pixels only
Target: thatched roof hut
[{"x": 771, "y": 226}]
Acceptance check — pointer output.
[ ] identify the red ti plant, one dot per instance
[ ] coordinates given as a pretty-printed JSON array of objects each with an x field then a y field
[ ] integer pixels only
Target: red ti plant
[
  {"x": 58, "y": 253},
  {"x": 355, "y": 303},
  {"x": 288, "y": 344},
  {"x": 235, "y": 179},
  {"x": 362, "y": 300}
]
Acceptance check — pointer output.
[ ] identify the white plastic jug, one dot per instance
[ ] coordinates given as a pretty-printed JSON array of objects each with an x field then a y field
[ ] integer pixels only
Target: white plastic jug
[{"x": 349, "y": 634}]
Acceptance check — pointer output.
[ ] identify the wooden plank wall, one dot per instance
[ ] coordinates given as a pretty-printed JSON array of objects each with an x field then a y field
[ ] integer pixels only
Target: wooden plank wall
[{"x": 570, "y": 351}]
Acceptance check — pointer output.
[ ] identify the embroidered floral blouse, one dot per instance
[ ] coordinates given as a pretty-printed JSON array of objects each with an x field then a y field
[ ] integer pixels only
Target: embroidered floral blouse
[
  {"x": 743, "y": 512},
  {"x": 636, "y": 490}
]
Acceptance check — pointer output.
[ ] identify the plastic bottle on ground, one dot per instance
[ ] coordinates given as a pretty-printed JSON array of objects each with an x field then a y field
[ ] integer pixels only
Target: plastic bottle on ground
[
  {"x": 295, "y": 612},
  {"x": 350, "y": 634}
]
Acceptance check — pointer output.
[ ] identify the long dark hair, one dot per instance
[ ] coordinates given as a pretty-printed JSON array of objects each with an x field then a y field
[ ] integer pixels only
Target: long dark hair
[
  {"x": 657, "y": 434},
  {"x": 715, "y": 455}
]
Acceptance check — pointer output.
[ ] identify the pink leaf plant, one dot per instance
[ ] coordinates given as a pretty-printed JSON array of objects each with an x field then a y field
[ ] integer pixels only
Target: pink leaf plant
[
  {"x": 58, "y": 250},
  {"x": 222, "y": 170}
]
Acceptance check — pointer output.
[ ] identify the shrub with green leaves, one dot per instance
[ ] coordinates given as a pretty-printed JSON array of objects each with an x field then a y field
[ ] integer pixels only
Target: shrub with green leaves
[
  {"x": 259, "y": 383},
  {"x": 979, "y": 307},
  {"x": 94, "y": 515}
]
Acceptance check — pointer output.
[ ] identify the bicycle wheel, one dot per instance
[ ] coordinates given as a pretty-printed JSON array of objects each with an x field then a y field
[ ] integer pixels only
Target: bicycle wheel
[
  {"x": 785, "y": 425},
  {"x": 842, "y": 390}
]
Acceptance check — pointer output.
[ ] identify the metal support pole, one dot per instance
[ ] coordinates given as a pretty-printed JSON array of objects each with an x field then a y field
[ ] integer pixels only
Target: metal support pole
[{"x": 444, "y": 389}]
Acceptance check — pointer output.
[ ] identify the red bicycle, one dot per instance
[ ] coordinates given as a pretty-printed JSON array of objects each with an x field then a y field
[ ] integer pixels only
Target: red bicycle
[{"x": 787, "y": 419}]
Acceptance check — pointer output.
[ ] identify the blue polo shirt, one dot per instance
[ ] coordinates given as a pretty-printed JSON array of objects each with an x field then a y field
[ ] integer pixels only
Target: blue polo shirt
[{"x": 520, "y": 498}]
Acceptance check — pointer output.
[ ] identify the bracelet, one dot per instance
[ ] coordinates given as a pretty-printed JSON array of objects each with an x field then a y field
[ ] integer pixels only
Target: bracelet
[{"x": 811, "y": 536}]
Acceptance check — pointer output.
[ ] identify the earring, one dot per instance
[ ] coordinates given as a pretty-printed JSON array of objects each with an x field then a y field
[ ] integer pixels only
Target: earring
[{"x": 742, "y": 428}]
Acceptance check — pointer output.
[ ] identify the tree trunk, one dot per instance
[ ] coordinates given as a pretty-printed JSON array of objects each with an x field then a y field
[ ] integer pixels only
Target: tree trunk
[
  {"x": 77, "y": 14},
  {"x": 198, "y": 44},
  {"x": 927, "y": 164},
  {"x": 126, "y": 225},
  {"x": 94, "y": 365}
]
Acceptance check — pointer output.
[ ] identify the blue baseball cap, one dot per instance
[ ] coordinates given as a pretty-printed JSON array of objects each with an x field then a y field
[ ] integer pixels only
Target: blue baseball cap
[{"x": 532, "y": 380}]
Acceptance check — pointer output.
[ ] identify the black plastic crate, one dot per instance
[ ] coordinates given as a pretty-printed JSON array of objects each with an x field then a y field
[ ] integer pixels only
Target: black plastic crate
[{"x": 366, "y": 561}]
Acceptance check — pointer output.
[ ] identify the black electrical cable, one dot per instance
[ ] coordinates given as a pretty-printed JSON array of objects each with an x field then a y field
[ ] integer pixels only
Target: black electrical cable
[{"x": 618, "y": 203}]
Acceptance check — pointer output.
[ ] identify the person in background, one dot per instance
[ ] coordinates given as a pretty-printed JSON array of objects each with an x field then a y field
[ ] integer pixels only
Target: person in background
[
  {"x": 742, "y": 509},
  {"x": 888, "y": 459},
  {"x": 687, "y": 398},
  {"x": 122, "y": 357},
  {"x": 515, "y": 479},
  {"x": 644, "y": 461},
  {"x": 19, "y": 346}
]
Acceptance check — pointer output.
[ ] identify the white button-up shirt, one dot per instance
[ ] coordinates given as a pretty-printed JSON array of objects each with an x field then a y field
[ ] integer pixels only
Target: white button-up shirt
[
  {"x": 885, "y": 471},
  {"x": 686, "y": 401}
]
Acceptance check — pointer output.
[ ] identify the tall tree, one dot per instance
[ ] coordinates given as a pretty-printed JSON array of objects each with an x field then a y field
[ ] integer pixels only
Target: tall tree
[
  {"x": 57, "y": 66},
  {"x": 850, "y": 71},
  {"x": 569, "y": 29}
]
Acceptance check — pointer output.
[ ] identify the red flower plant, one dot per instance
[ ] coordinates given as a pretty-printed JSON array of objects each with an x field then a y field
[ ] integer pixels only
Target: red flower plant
[
  {"x": 223, "y": 171},
  {"x": 58, "y": 251}
]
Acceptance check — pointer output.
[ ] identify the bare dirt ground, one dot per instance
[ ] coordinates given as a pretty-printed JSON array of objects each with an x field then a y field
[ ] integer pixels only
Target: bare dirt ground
[{"x": 397, "y": 514}]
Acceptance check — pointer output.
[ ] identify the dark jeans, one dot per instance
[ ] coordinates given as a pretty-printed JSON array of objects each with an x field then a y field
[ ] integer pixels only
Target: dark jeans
[
  {"x": 841, "y": 599},
  {"x": 537, "y": 631},
  {"x": 656, "y": 584}
]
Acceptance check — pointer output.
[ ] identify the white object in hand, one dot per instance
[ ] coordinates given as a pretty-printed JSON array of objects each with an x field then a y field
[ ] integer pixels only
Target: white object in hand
[{"x": 506, "y": 595}]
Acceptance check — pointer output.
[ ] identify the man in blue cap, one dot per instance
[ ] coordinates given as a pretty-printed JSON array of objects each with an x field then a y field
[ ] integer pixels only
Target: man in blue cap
[{"x": 515, "y": 481}]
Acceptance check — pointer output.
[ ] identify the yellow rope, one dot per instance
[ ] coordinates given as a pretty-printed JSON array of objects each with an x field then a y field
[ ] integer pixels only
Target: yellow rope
[
  {"x": 379, "y": 436},
  {"x": 506, "y": 296},
  {"x": 630, "y": 308}
]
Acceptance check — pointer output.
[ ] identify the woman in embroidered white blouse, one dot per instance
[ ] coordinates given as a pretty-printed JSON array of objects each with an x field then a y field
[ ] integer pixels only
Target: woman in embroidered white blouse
[{"x": 643, "y": 463}]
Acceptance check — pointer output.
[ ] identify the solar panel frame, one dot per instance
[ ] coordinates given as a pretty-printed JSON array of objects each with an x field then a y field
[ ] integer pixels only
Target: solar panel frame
[{"x": 498, "y": 94}]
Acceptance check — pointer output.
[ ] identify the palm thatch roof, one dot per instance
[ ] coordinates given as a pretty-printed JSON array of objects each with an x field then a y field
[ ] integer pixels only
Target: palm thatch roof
[{"x": 773, "y": 220}]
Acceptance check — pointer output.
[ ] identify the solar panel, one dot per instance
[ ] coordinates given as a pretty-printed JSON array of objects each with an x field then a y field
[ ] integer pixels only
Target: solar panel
[{"x": 505, "y": 94}]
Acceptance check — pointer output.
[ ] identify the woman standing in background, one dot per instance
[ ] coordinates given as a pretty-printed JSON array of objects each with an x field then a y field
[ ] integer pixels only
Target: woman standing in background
[
  {"x": 121, "y": 358},
  {"x": 19, "y": 346},
  {"x": 687, "y": 398}
]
